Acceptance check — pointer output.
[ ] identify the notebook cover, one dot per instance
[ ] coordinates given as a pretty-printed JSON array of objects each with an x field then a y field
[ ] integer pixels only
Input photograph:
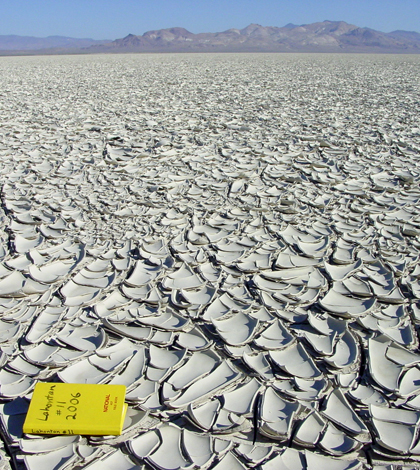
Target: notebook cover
[{"x": 62, "y": 408}]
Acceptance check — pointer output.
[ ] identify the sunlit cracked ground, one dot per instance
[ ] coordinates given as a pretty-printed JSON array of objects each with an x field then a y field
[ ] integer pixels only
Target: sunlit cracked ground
[{"x": 235, "y": 238}]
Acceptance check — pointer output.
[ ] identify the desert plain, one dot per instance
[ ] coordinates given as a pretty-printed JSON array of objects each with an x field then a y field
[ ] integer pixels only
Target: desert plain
[{"x": 234, "y": 237}]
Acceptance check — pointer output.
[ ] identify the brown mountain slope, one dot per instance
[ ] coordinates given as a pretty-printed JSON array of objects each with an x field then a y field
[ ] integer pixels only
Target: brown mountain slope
[{"x": 326, "y": 36}]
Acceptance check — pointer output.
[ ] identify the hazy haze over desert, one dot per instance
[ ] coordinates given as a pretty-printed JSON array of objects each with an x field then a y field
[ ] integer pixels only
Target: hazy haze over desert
[{"x": 235, "y": 237}]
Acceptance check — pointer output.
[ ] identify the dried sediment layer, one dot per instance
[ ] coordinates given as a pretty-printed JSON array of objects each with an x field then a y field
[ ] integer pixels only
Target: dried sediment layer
[{"x": 235, "y": 238}]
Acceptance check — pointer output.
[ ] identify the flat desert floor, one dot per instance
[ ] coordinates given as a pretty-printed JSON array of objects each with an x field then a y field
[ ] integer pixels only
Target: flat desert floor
[{"x": 234, "y": 237}]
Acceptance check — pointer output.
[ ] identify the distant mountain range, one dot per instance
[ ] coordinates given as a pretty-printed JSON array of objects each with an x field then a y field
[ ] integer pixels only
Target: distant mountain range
[
  {"x": 326, "y": 36},
  {"x": 30, "y": 43}
]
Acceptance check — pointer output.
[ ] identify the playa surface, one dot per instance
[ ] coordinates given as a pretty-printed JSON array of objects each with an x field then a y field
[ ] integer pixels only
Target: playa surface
[{"x": 234, "y": 237}]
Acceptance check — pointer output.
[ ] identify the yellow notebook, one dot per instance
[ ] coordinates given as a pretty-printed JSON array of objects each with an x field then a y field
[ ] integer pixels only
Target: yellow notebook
[{"x": 61, "y": 408}]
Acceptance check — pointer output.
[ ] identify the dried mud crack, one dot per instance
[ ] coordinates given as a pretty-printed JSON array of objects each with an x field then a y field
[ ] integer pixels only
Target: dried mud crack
[{"x": 234, "y": 237}]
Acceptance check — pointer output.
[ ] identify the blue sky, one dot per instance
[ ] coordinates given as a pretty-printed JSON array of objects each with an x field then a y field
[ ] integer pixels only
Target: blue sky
[{"x": 111, "y": 19}]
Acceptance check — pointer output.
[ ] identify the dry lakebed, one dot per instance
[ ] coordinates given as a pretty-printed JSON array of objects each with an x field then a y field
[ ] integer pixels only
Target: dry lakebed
[{"x": 234, "y": 237}]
